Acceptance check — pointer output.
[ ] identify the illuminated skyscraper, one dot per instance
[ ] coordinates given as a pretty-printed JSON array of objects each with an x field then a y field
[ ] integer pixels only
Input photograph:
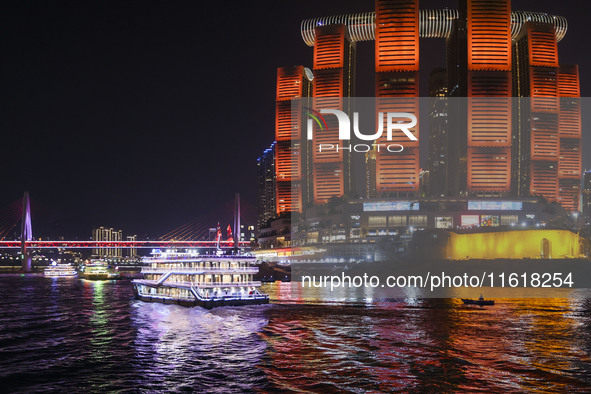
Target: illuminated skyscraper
[
  {"x": 491, "y": 148},
  {"x": 397, "y": 75},
  {"x": 131, "y": 252},
  {"x": 586, "y": 203},
  {"x": 489, "y": 82},
  {"x": 569, "y": 126},
  {"x": 292, "y": 82},
  {"x": 548, "y": 136},
  {"x": 107, "y": 235},
  {"x": 439, "y": 136},
  {"x": 479, "y": 67},
  {"x": 266, "y": 199},
  {"x": 334, "y": 66}
]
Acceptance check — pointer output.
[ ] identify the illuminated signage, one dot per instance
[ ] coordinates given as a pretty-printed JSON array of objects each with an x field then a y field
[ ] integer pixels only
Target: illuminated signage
[
  {"x": 489, "y": 221},
  {"x": 495, "y": 206},
  {"x": 470, "y": 220},
  {"x": 444, "y": 222},
  {"x": 390, "y": 206}
]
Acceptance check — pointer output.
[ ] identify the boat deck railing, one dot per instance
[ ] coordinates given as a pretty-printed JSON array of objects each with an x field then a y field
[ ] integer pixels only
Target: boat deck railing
[
  {"x": 188, "y": 285},
  {"x": 179, "y": 297},
  {"x": 197, "y": 258},
  {"x": 199, "y": 270}
]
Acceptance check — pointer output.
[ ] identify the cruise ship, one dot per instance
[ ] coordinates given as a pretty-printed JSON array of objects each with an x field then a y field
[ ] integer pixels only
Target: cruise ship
[
  {"x": 56, "y": 270},
  {"x": 191, "y": 279},
  {"x": 97, "y": 269}
]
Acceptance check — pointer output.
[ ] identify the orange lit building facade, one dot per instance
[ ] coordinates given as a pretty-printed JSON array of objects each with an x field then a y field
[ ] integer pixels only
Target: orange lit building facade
[
  {"x": 292, "y": 82},
  {"x": 549, "y": 134},
  {"x": 493, "y": 54},
  {"x": 489, "y": 83},
  {"x": 334, "y": 78},
  {"x": 397, "y": 75}
]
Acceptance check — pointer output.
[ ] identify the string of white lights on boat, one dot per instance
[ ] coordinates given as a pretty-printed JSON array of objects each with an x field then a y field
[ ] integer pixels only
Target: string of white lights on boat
[{"x": 432, "y": 24}]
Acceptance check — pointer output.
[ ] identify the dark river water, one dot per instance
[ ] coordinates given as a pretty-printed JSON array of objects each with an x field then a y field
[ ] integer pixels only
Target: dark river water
[{"x": 76, "y": 335}]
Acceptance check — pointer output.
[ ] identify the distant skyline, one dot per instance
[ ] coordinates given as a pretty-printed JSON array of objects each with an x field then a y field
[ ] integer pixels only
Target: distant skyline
[{"x": 145, "y": 115}]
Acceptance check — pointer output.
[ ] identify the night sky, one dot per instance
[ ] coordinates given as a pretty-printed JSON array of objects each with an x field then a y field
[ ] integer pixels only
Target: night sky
[{"x": 143, "y": 115}]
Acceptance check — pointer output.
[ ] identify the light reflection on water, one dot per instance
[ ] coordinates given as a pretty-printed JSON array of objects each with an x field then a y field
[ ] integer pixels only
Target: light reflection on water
[
  {"x": 196, "y": 348},
  {"x": 72, "y": 334}
]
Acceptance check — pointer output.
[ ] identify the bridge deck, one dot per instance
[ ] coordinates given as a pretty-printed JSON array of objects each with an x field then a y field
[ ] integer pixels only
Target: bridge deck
[{"x": 118, "y": 244}]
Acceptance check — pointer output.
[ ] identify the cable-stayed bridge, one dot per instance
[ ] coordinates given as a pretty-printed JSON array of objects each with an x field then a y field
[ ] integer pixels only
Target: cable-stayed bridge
[{"x": 189, "y": 235}]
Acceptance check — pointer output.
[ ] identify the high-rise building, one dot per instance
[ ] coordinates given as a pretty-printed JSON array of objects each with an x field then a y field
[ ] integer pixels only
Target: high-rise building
[
  {"x": 586, "y": 203},
  {"x": 479, "y": 67},
  {"x": 107, "y": 235},
  {"x": 131, "y": 253},
  {"x": 292, "y": 82},
  {"x": 397, "y": 75},
  {"x": 439, "y": 136},
  {"x": 266, "y": 203},
  {"x": 334, "y": 78},
  {"x": 548, "y": 137},
  {"x": 487, "y": 148},
  {"x": 370, "y": 174},
  {"x": 570, "y": 127},
  {"x": 489, "y": 83}
]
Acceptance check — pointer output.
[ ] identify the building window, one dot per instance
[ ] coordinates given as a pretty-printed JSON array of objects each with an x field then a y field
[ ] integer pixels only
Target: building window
[
  {"x": 377, "y": 222},
  {"x": 507, "y": 220},
  {"x": 397, "y": 221},
  {"x": 444, "y": 222},
  {"x": 417, "y": 220}
]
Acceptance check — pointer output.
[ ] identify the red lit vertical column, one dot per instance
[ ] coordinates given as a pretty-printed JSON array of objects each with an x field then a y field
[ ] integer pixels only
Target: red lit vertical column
[
  {"x": 489, "y": 91},
  {"x": 397, "y": 90},
  {"x": 542, "y": 57},
  {"x": 331, "y": 57},
  {"x": 569, "y": 125},
  {"x": 291, "y": 83}
]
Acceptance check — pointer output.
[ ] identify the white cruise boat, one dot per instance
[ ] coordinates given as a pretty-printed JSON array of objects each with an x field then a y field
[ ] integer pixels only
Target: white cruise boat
[
  {"x": 190, "y": 279},
  {"x": 60, "y": 271}
]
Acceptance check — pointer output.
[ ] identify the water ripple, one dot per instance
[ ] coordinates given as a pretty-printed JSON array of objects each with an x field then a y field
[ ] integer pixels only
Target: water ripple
[{"x": 77, "y": 335}]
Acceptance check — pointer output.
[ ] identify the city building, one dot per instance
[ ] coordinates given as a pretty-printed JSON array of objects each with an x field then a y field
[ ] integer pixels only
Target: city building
[
  {"x": 492, "y": 147},
  {"x": 483, "y": 30},
  {"x": 131, "y": 253},
  {"x": 397, "y": 75},
  {"x": 366, "y": 221},
  {"x": 547, "y": 157},
  {"x": 439, "y": 137},
  {"x": 586, "y": 200},
  {"x": 247, "y": 233},
  {"x": 277, "y": 234},
  {"x": 291, "y": 155},
  {"x": 107, "y": 235},
  {"x": 334, "y": 78},
  {"x": 266, "y": 185}
]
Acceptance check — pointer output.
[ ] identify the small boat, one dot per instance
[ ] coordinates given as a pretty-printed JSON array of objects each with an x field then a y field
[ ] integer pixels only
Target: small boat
[{"x": 480, "y": 301}]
